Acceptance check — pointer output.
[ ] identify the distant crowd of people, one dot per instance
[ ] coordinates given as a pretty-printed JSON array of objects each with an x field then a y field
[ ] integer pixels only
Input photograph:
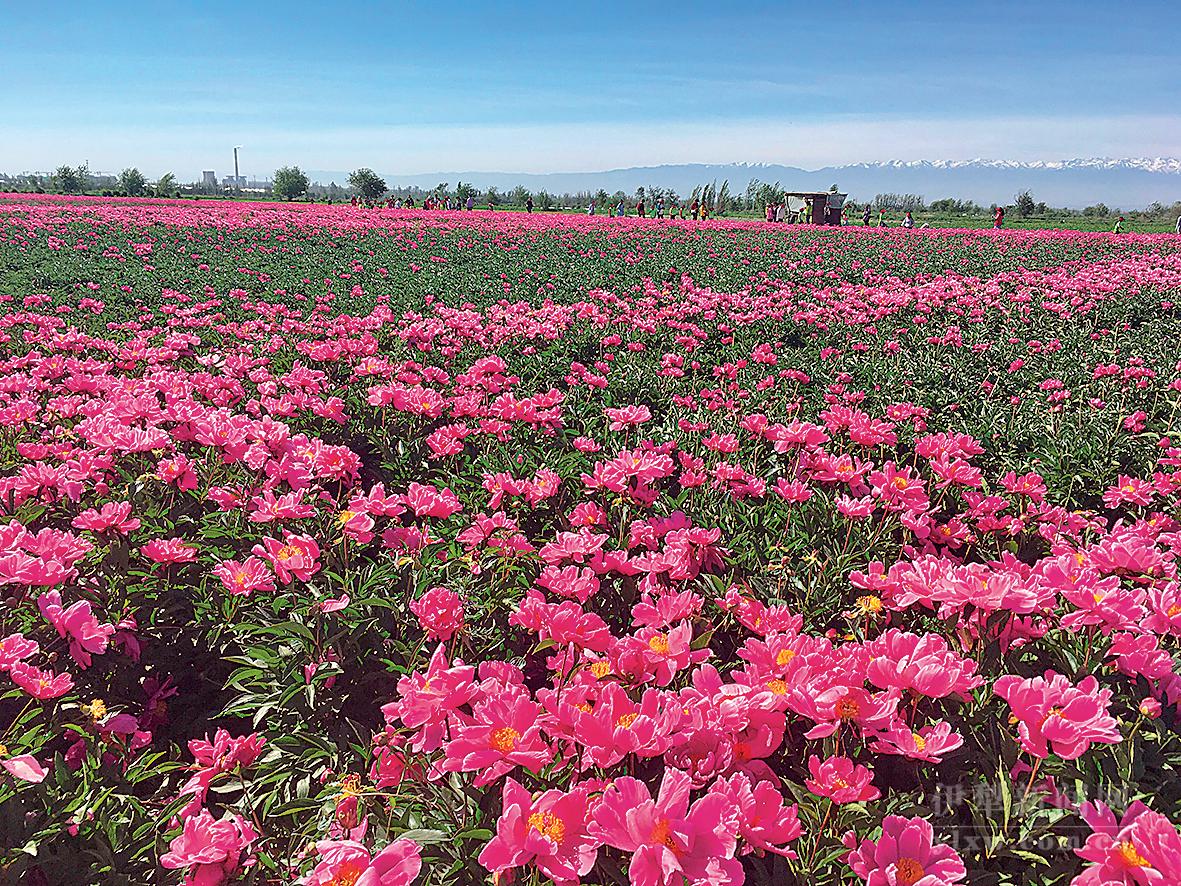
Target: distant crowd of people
[{"x": 695, "y": 210}]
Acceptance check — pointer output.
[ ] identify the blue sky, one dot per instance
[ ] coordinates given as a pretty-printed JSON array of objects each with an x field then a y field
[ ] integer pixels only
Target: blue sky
[{"x": 543, "y": 86}]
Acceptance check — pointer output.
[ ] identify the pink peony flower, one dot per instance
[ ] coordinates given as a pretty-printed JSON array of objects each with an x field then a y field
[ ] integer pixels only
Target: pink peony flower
[
  {"x": 77, "y": 623},
  {"x": 841, "y": 780},
  {"x": 209, "y": 851},
  {"x": 440, "y": 612},
  {"x": 904, "y": 855},
  {"x": 1057, "y": 716},
  {"x": 549, "y": 832},
  {"x": 292, "y": 558},
  {"x": 345, "y": 861},
  {"x": 670, "y": 840}
]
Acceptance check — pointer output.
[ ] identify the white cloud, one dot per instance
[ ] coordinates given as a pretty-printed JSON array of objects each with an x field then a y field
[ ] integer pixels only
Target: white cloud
[{"x": 585, "y": 147}]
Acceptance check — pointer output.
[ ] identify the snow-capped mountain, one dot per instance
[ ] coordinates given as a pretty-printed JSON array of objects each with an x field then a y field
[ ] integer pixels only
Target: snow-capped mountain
[
  {"x": 1146, "y": 164},
  {"x": 1128, "y": 183}
]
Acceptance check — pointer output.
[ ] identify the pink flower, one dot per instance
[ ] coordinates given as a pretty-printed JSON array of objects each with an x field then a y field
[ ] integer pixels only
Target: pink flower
[
  {"x": 669, "y": 840},
  {"x": 177, "y": 470},
  {"x": 627, "y": 416},
  {"x": 427, "y": 501},
  {"x": 25, "y": 767},
  {"x": 1141, "y": 848},
  {"x": 426, "y": 700},
  {"x": 764, "y": 823},
  {"x": 440, "y": 612},
  {"x": 40, "y": 684},
  {"x": 1056, "y": 715},
  {"x": 505, "y": 734},
  {"x": 245, "y": 578},
  {"x": 86, "y": 634},
  {"x": 292, "y": 558},
  {"x": 929, "y": 743},
  {"x": 14, "y": 649},
  {"x": 169, "y": 550},
  {"x": 345, "y": 861},
  {"x": 114, "y": 515},
  {"x": 904, "y": 855},
  {"x": 210, "y": 851},
  {"x": 549, "y": 831},
  {"x": 841, "y": 780}
]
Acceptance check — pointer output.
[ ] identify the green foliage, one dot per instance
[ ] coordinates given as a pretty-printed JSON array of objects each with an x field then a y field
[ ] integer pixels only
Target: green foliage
[
  {"x": 132, "y": 182},
  {"x": 364, "y": 181},
  {"x": 290, "y": 182}
]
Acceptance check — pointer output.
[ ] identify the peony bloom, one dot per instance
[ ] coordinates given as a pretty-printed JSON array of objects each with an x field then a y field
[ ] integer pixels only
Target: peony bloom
[
  {"x": 40, "y": 684},
  {"x": 505, "y": 735},
  {"x": 169, "y": 550},
  {"x": 209, "y": 851},
  {"x": 549, "y": 832},
  {"x": 904, "y": 855},
  {"x": 345, "y": 861},
  {"x": 440, "y": 612},
  {"x": 14, "y": 649},
  {"x": 929, "y": 743},
  {"x": 292, "y": 558},
  {"x": 764, "y": 823},
  {"x": 25, "y": 768},
  {"x": 427, "y": 501},
  {"x": 841, "y": 780},
  {"x": 114, "y": 516},
  {"x": 77, "y": 623},
  {"x": 246, "y": 577},
  {"x": 670, "y": 840},
  {"x": 1055, "y": 715},
  {"x": 1140, "y": 849},
  {"x": 426, "y": 700}
]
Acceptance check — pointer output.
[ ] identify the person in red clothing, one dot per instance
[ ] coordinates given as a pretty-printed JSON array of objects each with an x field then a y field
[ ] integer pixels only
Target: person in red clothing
[{"x": 999, "y": 221}]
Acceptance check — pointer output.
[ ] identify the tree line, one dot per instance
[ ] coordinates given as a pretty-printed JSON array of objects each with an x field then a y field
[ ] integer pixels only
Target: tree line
[{"x": 292, "y": 183}]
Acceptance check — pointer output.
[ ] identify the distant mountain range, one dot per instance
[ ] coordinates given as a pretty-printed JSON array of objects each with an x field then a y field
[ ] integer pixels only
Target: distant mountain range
[{"x": 1119, "y": 183}]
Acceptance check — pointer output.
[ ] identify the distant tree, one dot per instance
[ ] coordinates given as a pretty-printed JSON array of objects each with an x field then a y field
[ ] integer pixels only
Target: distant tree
[
  {"x": 601, "y": 197},
  {"x": 723, "y": 198},
  {"x": 364, "y": 181},
  {"x": 67, "y": 180},
  {"x": 166, "y": 185},
  {"x": 1024, "y": 205},
  {"x": 545, "y": 200},
  {"x": 441, "y": 189},
  {"x": 290, "y": 182},
  {"x": 640, "y": 193},
  {"x": 518, "y": 195},
  {"x": 132, "y": 182},
  {"x": 492, "y": 196},
  {"x": 1041, "y": 208},
  {"x": 463, "y": 190}
]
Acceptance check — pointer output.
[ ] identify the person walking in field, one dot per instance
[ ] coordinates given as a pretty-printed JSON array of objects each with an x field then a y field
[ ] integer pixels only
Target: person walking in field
[
  {"x": 640, "y": 209},
  {"x": 660, "y": 208},
  {"x": 590, "y": 208},
  {"x": 529, "y": 204},
  {"x": 998, "y": 220},
  {"x": 1119, "y": 226},
  {"x": 1179, "y": 224},
  {"x": 471, "y": 203},
  {"x": 908, "y": 222}
]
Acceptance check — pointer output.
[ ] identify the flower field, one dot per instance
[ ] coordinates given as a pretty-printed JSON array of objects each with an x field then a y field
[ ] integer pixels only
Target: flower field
[{"x": 390, "y": 547}]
